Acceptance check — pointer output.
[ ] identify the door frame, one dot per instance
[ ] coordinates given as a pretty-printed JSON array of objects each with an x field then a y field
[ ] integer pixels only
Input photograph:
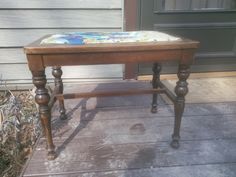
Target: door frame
[{"x": 131, "y": 23}]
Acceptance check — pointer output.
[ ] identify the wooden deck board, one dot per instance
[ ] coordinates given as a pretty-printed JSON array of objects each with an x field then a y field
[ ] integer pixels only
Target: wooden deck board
[
  {"x": 119, "y": 137},
  {"x": 210, "y": 170},
  {"x": 149, "y": 129},
  {"x": 75, "y": 158}
]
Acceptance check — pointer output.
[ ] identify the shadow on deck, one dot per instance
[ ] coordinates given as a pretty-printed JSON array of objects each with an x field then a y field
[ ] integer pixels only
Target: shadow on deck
[{"x": 119, "y": 137}]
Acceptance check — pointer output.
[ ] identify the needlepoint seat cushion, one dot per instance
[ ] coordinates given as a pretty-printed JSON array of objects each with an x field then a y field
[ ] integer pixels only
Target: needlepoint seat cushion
[{"x": 83, "y": 38}]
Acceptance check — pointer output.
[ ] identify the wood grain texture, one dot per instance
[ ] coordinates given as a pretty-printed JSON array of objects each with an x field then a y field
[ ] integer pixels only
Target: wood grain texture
[
  {"x": 97, "y": 158},
  {"x": 205, "y": 118},
  {"x": 41, "y": 56},
  {"x": 119, "y": 137},
  {"x": 143, "y": 129},
  {"x": 131, "y": 24},
  {"x": 155, "y": 49},
  {"x": 60, "y": 18},
  {"x": 132, "y": 142},
  {"x": 210, "y": 170},
  {"x": 61, "y": 4}
]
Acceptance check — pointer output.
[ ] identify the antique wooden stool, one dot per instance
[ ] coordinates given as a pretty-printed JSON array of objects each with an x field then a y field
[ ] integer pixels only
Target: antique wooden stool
[{"x": 89, "y": 48}]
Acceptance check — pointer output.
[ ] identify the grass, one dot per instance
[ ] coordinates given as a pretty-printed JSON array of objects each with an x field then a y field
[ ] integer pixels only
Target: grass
[{"x": 19, "y": 130}]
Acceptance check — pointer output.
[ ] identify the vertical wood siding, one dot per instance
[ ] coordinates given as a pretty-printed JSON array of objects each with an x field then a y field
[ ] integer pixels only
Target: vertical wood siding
[{"x": 22, "y": 22}]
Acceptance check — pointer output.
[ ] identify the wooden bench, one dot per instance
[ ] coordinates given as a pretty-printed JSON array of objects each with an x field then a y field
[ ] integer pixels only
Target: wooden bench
[{"x": 57, "y": 51}]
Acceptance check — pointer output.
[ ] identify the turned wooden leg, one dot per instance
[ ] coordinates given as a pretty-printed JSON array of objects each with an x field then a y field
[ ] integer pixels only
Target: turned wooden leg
[
  {"x": 42, "y": 98},
  {"x": 155, "y": 84},
  {"x": 57, "y": 73},
  {"x": 181, "y": 90}
]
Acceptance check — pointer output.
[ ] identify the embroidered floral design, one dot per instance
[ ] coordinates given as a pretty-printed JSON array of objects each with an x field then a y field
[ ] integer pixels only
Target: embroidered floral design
[{"x": 82, "y": 38}]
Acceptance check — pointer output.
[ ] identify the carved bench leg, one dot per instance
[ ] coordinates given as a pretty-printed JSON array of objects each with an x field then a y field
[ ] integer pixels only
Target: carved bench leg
[
  {"x": 181, "y": 90},
  {"x": 42, "y": 98},
  {"x": 57, "y": 73},
  {"x": 155, "y": 84}
]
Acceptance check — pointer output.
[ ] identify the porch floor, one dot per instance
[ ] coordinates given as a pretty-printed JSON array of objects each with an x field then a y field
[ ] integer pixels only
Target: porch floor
[{"x": 119, "y": 137}]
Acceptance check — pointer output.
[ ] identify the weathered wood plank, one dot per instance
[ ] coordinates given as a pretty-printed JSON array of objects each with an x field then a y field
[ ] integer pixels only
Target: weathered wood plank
[
  {"x": 64, "y": 4},
  {"x": 207, "y": 92},
  {"x": 116, "y": 139},
  {"x": 209, "y": 170},
  {"x": 144, "y": 129},
  {"x": 8, "y": 72},
  {"x": 133, "y": 156},
  {"x": 199, "y": 94},
  {"x": 129, "y": 106},
  {"x": 17, "y": 37},
  {"x": 60, "y": 18}
]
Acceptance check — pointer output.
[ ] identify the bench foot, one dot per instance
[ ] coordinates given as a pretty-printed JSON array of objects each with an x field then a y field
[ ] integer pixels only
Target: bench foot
[
  {"x": 63, "y": 115},
  {"x": 51, "y": 155},
  {"x": 154, "y": 109},
  {"x": 175, "y": 144}
]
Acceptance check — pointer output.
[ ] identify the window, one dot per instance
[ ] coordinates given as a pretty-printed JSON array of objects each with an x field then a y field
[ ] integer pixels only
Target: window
[{"x": 194, "y": 5}]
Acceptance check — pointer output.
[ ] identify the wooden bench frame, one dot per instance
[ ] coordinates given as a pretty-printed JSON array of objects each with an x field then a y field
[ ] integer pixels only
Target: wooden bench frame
[{"x": 42, "y": 56}]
